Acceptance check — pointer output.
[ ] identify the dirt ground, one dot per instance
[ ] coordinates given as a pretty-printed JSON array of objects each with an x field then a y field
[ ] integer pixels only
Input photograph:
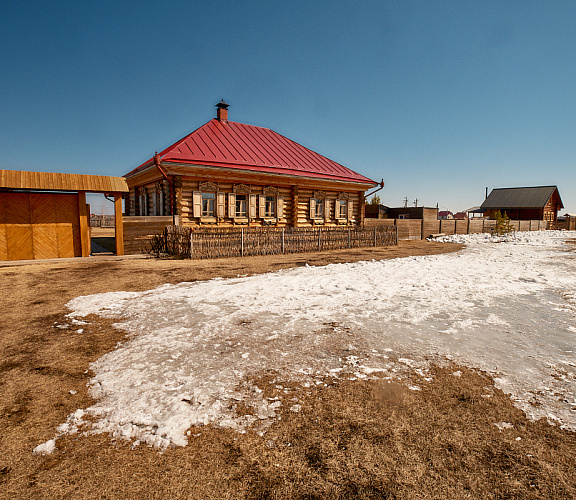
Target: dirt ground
[{"x": 353, "y": 439}]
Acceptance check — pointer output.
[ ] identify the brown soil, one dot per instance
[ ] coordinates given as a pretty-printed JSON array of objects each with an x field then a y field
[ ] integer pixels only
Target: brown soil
[{"x": 354, "y": 439}]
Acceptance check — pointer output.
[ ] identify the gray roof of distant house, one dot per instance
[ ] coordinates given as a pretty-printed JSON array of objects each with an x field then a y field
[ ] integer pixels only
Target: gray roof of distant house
[{"x": 522, "y": 197}]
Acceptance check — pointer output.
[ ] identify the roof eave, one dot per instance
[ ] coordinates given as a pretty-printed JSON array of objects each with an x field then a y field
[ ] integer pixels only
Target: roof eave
[{"x": 282, "y": 172}]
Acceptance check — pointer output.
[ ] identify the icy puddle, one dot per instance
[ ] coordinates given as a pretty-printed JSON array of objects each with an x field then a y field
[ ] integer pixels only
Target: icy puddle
[{"x": 508, "y": 307}]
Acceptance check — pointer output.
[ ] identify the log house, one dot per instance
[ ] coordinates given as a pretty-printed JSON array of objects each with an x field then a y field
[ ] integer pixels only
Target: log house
[{"x": 229, "y": 174}]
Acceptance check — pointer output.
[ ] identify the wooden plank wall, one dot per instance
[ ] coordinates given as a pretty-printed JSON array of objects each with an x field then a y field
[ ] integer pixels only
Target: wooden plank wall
[
  {"x": 138, "y": 231},
  {"x": 411, "y": 229},
  {"x": 39, "y": 226}
]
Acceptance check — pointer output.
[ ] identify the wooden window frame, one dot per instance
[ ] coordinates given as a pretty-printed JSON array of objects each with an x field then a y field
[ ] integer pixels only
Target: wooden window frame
[{"x": 208, "y": 214}]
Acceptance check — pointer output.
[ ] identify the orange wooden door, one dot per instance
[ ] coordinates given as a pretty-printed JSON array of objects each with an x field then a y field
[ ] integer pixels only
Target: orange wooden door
[
  {"x": 3, "y": 247},
  {"x": 39, "y": 226}
]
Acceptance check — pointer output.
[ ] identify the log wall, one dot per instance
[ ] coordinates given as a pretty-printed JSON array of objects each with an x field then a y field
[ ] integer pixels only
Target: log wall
[
  {"x": 296, "y": 199},
  {"x": 139, "y": 231}
]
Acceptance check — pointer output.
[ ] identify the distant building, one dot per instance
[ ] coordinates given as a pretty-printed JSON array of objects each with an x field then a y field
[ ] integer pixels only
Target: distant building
[
  {"x": 376, "y": 211},
  {"x": 474, "y": 212},
  {"x": 445, "y": 214},
  {"x": 424, "y": 213},
  {"x": 524, "y": 203}
]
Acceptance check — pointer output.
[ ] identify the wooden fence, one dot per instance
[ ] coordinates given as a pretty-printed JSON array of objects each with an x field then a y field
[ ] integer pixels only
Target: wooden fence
[
  {"x": 102, "y": 221},
  {"x": 207, "y": 243},
  {"x": 139, "y": 232},
  {"x": 416, "y": 229}
]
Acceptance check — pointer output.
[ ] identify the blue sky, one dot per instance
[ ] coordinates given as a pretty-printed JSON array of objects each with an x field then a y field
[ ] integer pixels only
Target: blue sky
[{"x": 440, "y": 98}]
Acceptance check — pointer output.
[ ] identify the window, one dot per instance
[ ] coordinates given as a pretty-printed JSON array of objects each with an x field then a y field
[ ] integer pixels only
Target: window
[
  {"x": 319, "y": 212},
  {"x": 270, "y": 206},
  {"x": 208, "y": 201},
  {"x": 341, "y": 207},
  {"x": 143, "y": 201},
  {"x": 159, "y": 201},
  {"x": 404, "y": 216},
  {"x": 241, "y": 205}
]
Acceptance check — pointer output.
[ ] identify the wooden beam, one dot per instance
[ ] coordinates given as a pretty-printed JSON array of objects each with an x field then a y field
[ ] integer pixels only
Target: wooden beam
[
  {"x": 15, "y": 179},
  {"x": 84, "y": 224},
  {"x": 295, "y": 211},
  {"x": 361, "y": 203},
  {"x": 119, "y": 224}
]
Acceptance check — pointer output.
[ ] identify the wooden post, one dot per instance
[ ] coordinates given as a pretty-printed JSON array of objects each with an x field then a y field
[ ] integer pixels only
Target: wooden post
[
  {"x": 374, "y": 235},
  {"x": 178, "y": 200},
  {"x": 283, "y": 248},
  {"x": 361, "y": 203},
  {"x": 319, "y": 241},
  {"x": 294, "y": 206},
  {"x": 191, "y": 243},
  {"x": 348, "y": 236},
  {"x": 84, "y": 224},
  {"x": 242, "y": 242},
  {"x": 483, "y": 220},
  {"x": 118, "y": 224},
  {"x": 468, "y": 226}
]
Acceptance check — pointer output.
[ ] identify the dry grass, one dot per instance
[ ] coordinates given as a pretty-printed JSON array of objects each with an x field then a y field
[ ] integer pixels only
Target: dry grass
[{"x": 356, "y": 439}]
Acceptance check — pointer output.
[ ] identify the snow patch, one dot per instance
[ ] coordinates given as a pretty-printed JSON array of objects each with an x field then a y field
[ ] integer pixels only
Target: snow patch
[
  {"x": 46, "y": 448},
  {"x": 503, "y": 305}
]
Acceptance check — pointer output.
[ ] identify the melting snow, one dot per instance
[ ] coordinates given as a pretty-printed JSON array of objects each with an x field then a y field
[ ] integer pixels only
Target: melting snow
[{"x": 506, "y": 305}]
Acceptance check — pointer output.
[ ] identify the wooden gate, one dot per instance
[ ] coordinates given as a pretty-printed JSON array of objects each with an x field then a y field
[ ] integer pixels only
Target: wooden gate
[{"x": 39, "y": 226}]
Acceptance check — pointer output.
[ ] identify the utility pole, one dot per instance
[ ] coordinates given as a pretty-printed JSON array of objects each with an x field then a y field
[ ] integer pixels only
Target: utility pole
[
  {"x": 406, "y": 202},
  {"x": 416, "y": 202}
]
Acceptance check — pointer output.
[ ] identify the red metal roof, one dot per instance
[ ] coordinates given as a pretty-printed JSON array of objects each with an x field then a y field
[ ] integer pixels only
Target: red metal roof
[{"x": 237, "y": 145}]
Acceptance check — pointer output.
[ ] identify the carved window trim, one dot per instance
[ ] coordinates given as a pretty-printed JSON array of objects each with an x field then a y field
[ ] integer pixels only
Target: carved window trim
[
  {"x": 343, "y": 196},
  {"x": 270, "y": 191},
  {"x": 241, "y": 189},
  {"x": 208, "y": 187},
  {"x": 319, "y": 194}
]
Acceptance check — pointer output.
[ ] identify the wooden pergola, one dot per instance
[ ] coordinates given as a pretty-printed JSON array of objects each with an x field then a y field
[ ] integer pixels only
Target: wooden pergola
[{"x": 44, "y": 214}]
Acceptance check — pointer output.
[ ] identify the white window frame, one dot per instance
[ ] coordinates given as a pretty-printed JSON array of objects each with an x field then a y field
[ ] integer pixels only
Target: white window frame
[
  {"x": 241, "y": 206},
  {"x": 270, "y": 206},
  {"x": 342, "y": 209},
  {"x": 319, "y": 205},
  {"x": 208, "y": 196}
]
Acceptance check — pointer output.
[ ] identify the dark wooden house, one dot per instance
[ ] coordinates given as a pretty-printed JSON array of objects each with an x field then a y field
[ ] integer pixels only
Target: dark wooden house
[
  {"x": 424, "y": 213},
  {"x": 524, "y": 203},
  {"x": 228, "y": 173}
]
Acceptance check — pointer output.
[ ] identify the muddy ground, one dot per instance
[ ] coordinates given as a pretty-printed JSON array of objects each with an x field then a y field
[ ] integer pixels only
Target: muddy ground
[{"x": 355, "y": 439}]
